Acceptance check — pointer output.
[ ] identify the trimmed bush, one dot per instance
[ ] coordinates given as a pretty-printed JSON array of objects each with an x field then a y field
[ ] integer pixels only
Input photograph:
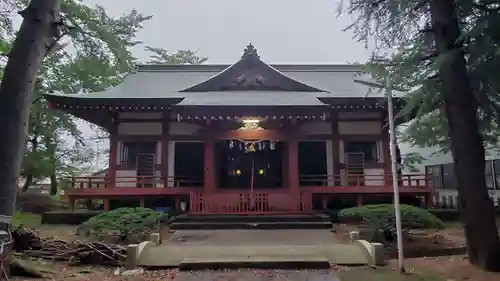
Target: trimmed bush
[
  {"x": 122, "y": 222},
  {"x": 68, "y": 217},
  {"x": 381, "y": 219}
]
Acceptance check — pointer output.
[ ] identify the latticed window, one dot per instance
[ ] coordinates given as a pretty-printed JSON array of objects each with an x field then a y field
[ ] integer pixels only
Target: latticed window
[
  {"x": 369, "y": 149},
  {"x": 435, "y": 175},
  {"x": 130, "y": 151}
]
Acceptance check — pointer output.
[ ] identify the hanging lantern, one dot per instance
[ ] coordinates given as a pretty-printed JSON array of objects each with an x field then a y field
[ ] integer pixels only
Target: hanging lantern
[
  {"x": 251, "y": 148},
  {"x": 272, "y": 145},
  {"x": 231, "y": 144}
]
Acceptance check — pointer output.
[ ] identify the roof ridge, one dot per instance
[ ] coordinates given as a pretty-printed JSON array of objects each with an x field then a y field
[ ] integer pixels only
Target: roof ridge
[{"x": 280, "y": 67}]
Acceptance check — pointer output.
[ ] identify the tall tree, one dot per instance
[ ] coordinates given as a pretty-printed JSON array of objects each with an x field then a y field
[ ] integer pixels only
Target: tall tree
[
  {"x": 39, "y": 31},
  {"x": 100, "y": 58},
  {"x": 460, "y": 106},
  {"x": 433, "y": 38}
]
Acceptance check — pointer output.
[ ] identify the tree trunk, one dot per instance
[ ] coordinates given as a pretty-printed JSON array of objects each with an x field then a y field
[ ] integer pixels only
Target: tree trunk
[
  {"x": 53, "y": 184},
  {"x": 27, "y": 183},
  {"x": 460, "y": 105},
  {"x": 37, "y": 31}
]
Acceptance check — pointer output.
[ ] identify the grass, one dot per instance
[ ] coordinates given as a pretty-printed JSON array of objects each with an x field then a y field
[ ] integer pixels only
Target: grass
[
  {"x": 382, "y": 274},
  {"x": 26, "y": 219}
]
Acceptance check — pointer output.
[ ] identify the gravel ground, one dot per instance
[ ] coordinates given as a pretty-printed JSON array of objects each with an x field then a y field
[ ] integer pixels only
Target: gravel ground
[
  {"x": 258, "y": 275},
  {"x": 100, "y": 274}
]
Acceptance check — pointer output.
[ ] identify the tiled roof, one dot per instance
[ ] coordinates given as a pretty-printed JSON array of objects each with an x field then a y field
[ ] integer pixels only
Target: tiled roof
[{"x": 156, "y": 81}]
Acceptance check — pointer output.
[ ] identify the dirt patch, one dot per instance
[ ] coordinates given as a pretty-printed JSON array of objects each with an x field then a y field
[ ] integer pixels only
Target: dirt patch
[
  {"x": 430, "y": 245},
  {"x": 61, "y": 232},
  {"x": 62, "y": 271},
  {"x": 340, "y": 232},
  {"x": 422, "y": 244},
  {"x": 454, "y": 268}
]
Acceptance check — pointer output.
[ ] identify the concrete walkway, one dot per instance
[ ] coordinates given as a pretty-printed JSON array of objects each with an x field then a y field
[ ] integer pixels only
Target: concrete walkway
[{"x": 247, "y": 246}]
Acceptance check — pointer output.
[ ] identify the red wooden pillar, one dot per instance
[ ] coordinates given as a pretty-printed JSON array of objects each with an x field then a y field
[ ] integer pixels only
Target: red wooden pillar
[
  {"x": 386, "y": 152},
  {"x": 112, "y": 162},
  {"x": 113, "y": 155},
  {"x": 359, "y": 201},
  {"x": 164, "y": 148},
  {"x": 293, "y": 170},
  {"x": 335, "y": 148},
  {"x": 72, "y": 203},
  {"x": 285, "y": 173},
  {"x": 106, "y": 205},
  {"x": 209, "y": 174}
]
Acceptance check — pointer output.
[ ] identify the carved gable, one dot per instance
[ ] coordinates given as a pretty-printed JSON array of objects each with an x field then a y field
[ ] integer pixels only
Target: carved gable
[{"x": 251, "y": 74}]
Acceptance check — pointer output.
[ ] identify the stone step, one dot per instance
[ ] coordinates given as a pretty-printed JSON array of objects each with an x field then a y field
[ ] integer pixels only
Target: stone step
[
  {"x": 253, "y": 218},
  {"x": 260, "y": 262},
  {"x": 249, "y": 225}
]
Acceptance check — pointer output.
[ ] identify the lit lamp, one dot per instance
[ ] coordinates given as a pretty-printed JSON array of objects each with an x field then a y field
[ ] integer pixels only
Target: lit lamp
[
  {"x": 261, "y": 172},
  {"x": 250, "y": 124},
  {"x": 237, "y": 172}
]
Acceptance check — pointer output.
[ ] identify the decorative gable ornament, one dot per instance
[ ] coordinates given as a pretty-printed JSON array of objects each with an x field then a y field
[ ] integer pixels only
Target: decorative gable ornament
[{"x": 250, "y": 50}]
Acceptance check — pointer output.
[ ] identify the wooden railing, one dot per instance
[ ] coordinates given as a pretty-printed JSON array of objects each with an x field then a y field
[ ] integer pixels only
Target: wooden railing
[
  {"x": 134, "y": 181},
  {"x": 247, "y": 202},
  {"x": 405, "y": 180}
]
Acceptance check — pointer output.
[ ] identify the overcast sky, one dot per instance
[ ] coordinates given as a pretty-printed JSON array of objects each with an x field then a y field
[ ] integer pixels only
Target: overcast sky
[{"x": 283, "y": 31}]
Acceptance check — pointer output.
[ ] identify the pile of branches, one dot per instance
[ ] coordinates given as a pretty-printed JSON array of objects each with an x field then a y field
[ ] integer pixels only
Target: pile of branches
[{"x": 28, "y": 243}]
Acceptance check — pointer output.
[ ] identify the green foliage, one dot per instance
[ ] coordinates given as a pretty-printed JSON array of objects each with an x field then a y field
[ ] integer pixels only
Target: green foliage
[
  {"x": 94, "y": 55},
  {"x": 26, "y": 220},
  {"x": 404, "y": 27},
  {"x": 381, "y": 219},
  {"x": 100, "y": 58},
  {"x": 122, "y": 222},
  {"x": 409, "y": 161},
  {"x": 161, "y": 56}
]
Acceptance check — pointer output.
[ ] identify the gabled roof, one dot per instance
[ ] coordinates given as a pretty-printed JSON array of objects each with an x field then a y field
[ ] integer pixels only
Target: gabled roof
[
  {"x": 251, "y": 74},
  {"x": 248, "y": 82}
]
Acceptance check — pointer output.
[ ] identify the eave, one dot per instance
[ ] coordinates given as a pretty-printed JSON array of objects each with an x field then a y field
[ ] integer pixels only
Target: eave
[
  {"x": 76, "y": 102},
  {"x": 102, "y": 111}
]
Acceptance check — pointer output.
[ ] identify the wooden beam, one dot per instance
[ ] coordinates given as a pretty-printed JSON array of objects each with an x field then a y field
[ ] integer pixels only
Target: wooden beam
[{"x": 164, "y": 148}]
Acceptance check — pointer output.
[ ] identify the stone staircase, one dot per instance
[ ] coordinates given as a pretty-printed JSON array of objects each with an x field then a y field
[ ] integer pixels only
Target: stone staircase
[{"x": 267, "y": 221}]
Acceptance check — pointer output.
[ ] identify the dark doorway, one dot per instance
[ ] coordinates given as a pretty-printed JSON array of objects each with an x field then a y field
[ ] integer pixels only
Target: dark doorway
[
  {"x": 142, "y": 155},
  {"x": 131, "y": 151},
  {"x": 312, "y": 163},
  {"x": 189, "y": 164},
  {"x": 238, "y": 166}
]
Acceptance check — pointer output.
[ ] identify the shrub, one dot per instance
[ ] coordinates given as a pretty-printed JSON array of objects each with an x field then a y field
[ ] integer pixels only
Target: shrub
[
  {"x": 122, "y": 222},
  {"x": 381, "y": 219}
]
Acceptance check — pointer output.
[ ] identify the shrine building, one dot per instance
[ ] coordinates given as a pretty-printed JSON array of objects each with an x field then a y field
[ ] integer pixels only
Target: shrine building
[{"x": 243, "y": 138}]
